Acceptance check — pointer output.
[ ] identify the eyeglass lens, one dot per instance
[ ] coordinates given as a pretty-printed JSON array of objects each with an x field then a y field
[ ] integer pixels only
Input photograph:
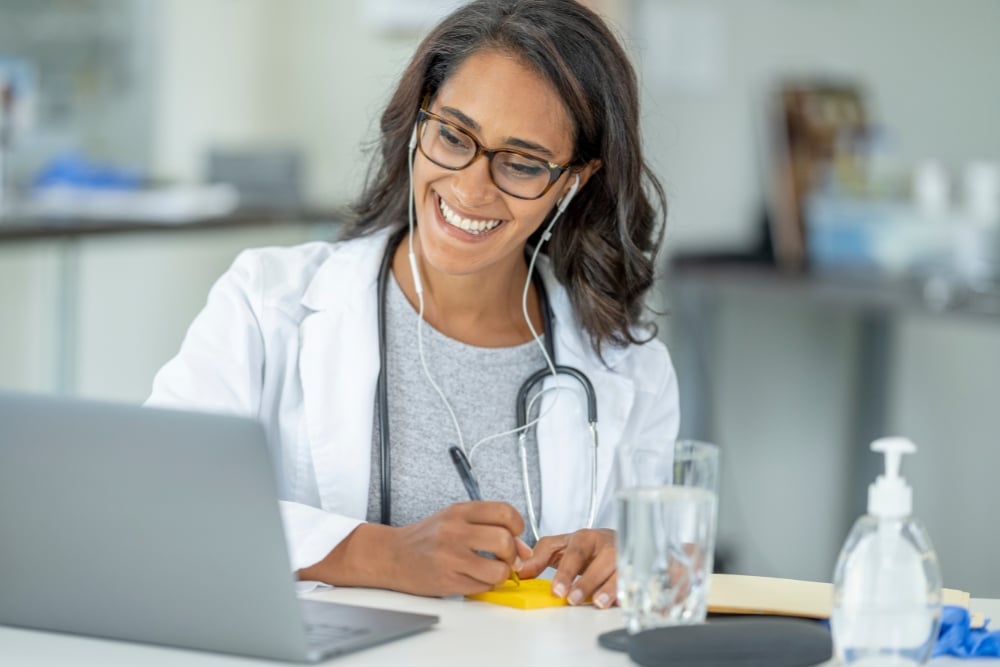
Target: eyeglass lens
[{"x": 452, "y": 148}]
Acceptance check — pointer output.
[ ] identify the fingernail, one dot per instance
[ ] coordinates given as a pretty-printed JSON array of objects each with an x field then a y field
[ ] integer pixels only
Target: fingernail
[
  {"x": 559, "y": 590},
  {"x": 602, "y": 600},
  {"x": 518, "y": 564},
  {"x": 576, "y": 597}
]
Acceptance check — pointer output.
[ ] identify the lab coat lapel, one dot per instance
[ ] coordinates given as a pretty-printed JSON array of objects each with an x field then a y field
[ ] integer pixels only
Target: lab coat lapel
[
  {"x": 564, "y": 442},
  {"x": 338, "y": 366}
]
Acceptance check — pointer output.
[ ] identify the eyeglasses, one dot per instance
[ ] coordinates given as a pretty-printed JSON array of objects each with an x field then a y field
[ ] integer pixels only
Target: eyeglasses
[{"x": 516, "y": 173}]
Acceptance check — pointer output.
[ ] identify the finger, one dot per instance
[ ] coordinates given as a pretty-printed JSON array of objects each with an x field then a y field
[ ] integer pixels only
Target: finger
[
  {"x": 463, "y": 584},
  {"x": 607, "y": 593},
  {"x": 596, "y": 572},
  {"x": 492, "y": 539},
  {"x": 580, "y": 550},
  {"x": 487, "y": 571},
  {"x": 494, "y": 514},
  {"x": 577, "y": 553},
  {"x": 524, "y": 552},
  {"x": 547, "y": 552}
]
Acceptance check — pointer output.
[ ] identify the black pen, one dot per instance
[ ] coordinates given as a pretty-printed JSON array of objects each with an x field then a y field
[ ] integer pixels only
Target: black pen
[{"x": 472, "y": 487}]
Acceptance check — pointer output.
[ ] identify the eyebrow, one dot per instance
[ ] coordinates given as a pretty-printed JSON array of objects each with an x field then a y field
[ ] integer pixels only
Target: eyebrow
[{"x": 510, "y": 141}]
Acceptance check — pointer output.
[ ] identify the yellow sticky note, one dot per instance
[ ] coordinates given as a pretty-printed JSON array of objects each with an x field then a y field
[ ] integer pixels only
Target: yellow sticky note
[{"x": 531, "y": 594}]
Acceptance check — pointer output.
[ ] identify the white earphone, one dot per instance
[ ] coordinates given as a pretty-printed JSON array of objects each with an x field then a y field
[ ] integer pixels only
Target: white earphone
[
  {"x": 413, "y": 137},
  {"x": 564, "y": 202},
  {"x": 413, "y": 259},
  {"x": 561, "y": 207}
]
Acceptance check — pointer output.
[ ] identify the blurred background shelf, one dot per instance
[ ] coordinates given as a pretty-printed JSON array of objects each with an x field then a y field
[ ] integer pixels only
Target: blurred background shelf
[{"x": 41, "y": 228}]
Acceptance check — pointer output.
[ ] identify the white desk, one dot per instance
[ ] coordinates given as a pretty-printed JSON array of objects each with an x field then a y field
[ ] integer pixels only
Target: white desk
[{"x": 468, "y": 633}]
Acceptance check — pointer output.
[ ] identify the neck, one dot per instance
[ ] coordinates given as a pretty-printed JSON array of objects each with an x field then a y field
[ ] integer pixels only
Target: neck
[{"x": 482, "y": 308}]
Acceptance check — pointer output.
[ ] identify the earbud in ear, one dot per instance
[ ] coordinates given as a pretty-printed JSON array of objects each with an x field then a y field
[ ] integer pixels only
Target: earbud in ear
[{"x": 564, "y": 202}]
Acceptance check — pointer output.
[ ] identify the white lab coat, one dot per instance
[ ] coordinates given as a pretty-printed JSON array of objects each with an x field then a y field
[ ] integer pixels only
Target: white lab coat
[{"x": 289, "y": 336}]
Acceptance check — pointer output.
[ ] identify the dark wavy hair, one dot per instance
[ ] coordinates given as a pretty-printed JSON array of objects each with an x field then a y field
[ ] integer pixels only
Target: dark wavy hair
[{"x": 604, "y": 248}]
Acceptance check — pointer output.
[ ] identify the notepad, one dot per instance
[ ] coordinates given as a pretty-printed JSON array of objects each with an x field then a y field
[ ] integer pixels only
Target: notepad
[
  {"x": 531, "y": 594},
  {"x": 743, "y": 594}
]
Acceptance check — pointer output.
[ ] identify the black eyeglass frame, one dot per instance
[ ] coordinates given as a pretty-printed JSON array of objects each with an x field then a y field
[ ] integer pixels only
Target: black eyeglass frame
[{"x": 555, "y": 170}]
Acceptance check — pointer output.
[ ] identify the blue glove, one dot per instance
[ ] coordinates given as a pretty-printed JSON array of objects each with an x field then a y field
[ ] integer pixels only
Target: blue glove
[{"x": 957, "y": 640}]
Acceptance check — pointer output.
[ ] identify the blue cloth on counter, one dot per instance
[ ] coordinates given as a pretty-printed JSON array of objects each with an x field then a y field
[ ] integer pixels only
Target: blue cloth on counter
[
  {"x": 76, "y": 171},
  {"x": 958, "y": 640}
]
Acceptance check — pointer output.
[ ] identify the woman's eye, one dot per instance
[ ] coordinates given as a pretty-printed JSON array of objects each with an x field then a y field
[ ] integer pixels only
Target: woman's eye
[
  {"x": 521, "y": 168},
  {"x": 452, "y": 138}
]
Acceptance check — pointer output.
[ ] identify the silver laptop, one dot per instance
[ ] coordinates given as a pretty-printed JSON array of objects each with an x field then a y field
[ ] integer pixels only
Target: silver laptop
[{"x": 157, "y": 526}]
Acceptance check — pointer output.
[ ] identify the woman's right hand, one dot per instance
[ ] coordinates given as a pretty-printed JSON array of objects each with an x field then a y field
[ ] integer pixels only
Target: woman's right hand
[{"x": 436, "y": 556}]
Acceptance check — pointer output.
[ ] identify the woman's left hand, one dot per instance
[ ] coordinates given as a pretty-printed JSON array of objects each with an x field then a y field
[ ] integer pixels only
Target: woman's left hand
[{"x": 589, "y": 554}]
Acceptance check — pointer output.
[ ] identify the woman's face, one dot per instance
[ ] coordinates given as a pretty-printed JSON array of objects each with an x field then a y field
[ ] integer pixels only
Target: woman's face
[{"x": 502, "y": 104}]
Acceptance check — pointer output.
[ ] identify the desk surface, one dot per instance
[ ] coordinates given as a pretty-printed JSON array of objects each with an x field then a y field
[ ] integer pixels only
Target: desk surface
[{"x": 490, "y": 634}]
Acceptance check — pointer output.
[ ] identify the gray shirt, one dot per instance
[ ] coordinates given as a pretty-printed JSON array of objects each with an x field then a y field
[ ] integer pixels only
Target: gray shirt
[{"x": 481, "y": 385}]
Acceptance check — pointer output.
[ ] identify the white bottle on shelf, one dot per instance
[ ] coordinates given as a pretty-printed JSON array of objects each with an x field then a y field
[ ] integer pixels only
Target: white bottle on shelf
[{"x": 887, "y": 583}]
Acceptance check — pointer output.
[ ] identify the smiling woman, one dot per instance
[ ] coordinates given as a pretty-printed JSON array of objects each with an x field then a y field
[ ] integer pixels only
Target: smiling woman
[
  {"x": 483, "y": 254},
  {"x": 565, "y": 72},
  {"x": 513, "y": 130}
]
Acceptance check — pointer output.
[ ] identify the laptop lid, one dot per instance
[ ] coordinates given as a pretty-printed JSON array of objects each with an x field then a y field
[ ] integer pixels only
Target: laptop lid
[{"x": 146, "y": 524}]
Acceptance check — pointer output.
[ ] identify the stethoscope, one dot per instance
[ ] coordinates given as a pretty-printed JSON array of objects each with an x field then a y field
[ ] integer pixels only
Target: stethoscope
[{"x": 523, "y": 402}]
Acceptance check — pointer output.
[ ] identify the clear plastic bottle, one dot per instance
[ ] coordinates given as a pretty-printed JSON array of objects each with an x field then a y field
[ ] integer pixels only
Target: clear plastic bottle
[{"x": 887, "y": 583}]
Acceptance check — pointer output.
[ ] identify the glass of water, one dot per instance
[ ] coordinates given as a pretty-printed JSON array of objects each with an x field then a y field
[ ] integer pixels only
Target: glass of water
[{"x": 667, "y": 506}]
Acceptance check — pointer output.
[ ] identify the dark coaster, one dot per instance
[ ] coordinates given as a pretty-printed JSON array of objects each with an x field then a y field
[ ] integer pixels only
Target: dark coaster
[{"x": 744, "y": 641}]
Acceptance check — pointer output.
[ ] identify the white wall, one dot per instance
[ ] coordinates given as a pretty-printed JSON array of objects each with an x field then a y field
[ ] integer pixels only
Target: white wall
[
  {"x": 309, "y": 74},
  {"x": 215, "y": 77}
]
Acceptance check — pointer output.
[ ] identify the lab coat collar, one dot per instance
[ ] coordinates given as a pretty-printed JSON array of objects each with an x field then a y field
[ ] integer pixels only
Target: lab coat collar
[{"x": 357, "y": 260}]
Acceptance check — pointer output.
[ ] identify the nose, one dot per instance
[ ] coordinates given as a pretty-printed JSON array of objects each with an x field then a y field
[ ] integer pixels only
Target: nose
[{"x": 473, "y": 186}]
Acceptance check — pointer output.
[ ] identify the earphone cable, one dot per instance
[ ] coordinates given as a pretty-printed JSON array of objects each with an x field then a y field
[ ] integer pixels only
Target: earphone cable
[{"x": 420, "y": 319}]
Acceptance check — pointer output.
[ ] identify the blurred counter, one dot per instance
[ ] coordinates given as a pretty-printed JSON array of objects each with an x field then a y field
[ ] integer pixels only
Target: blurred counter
[
  {"x": 859, "y": 291},
  {"x": 93, "y": 306},
  {"x": 20, "y": 228}
]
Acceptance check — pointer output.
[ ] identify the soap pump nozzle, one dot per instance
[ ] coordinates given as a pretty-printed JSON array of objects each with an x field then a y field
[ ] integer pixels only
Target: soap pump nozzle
[{"x": 890, "y": 496}]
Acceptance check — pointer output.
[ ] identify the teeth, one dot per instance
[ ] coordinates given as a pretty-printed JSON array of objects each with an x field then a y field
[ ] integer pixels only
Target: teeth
[{"x": 471, "y": 226}]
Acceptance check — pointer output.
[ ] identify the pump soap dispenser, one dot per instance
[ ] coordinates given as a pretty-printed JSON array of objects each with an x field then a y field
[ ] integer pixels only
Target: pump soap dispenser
[{"x": 887, "y": 583}]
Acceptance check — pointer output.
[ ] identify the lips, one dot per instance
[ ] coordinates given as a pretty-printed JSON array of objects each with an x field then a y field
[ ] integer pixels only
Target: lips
[{"x": 473, "y": 226}]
